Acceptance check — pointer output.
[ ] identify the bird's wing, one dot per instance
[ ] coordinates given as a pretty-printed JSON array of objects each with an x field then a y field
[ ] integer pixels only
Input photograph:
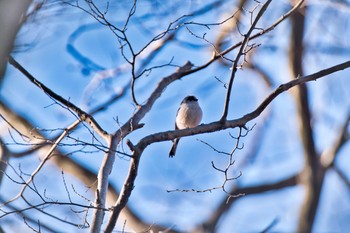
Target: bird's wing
[{"x": 176, "y": 117}]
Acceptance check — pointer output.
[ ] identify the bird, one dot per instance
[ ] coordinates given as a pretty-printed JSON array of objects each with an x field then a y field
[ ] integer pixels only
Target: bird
[{"x": 188, "y": 115}]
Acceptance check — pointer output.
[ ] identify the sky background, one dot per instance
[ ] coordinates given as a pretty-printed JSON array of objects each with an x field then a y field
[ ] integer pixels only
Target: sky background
[{"x": 71, "y": 53}]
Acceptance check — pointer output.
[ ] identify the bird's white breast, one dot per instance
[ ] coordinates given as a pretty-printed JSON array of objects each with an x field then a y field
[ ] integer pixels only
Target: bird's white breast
[{"x": 189, "y": 115}]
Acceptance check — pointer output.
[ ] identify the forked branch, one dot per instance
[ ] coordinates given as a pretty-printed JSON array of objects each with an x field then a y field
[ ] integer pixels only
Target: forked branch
[{"x": 204, "y": 128}]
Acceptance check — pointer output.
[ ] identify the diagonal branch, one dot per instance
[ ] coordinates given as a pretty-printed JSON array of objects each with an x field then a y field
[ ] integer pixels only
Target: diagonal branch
[
  {"x": 342, "y": 176},
  {"x": 204, "y": 128},
  {"x": 4, "y": 158},
  {"x": 28, "y": 217},
  {"x": 328, "y": 157},
  {"x": 82, "y": 115},
  {"x": 239, "y": 54},
  {"x": 260, "y": 33},
  {"x": 44, "y": 160},
  {"x": 217, "y": 125},
  {"x": 227, "y": 29},
  {"x": 68, "y": 165},
  {"x": 132, "y": 124}
]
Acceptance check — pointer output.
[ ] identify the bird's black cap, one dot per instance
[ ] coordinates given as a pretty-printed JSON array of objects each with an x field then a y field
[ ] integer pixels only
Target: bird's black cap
[{"x": 190, "y": 98}]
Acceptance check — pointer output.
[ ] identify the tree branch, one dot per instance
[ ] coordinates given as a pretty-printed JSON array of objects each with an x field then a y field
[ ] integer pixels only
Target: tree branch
[
  {"x": 239, "y": 54},
  {"x": 231, "y": 48},
  {"x": 12, "y": 16},
  {"x": 217, "y": 125},
  {"x": 132, "y": 124},
  {"x": 313, "y": 174},
  {"x": 86, "y": 176},
  {"x": 210, "y": 224},
  {"x": 4, "y": 158},
  {"x": 342, "y": 176},
  {"x": 203, "y": 128},
  {"x": 81, "y": 114},
  {"x": 328, "y": 156}
]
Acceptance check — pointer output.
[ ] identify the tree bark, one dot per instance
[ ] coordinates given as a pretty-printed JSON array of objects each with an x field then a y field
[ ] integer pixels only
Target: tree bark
[
  {"x": 312, "y": 175},
  {"x": 11, "y": 17}
]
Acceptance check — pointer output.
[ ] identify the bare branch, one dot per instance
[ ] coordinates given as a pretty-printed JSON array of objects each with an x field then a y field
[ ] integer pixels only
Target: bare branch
[
  {"x": 342, "y": 176},
  {"x": 68, "y": 165},
  {"x": 23, "y": 136},
  {"x": 4, "y": 158},
  {"x": 226, "y": 171},
  {"x": 82, "y": 115},
  {"x": 138, "y": 57},
  {"x": 203, "y": 128},
  {"x": 217, "y": 125},
  {"x": 239, "y": 54},
  {"x": 240, "y": 192},
  {"x": 328, "y": 156},
  {"x": 46, "y": 158},
  {"x": 262, "y": 32},
  {"x": 212, "y": 147},
  {"x": 107, "y": 164},
  {"x": 12, "y": 17}
]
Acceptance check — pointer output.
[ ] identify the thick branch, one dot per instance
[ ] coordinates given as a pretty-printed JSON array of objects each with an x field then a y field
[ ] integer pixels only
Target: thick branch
[
  {"x": 312, "y": 175},
  {"x": 126, "y": 190},
  {"x": 217, "y": 125},
  {"x": 11, "y": 18},
  {"x": 132, "y": 124},
  {"x": 81, "y": 173},
  {"x": 102, "y": 186},
  {"x": 134, "y": 121},
  {"x": 204, "y": 128}
]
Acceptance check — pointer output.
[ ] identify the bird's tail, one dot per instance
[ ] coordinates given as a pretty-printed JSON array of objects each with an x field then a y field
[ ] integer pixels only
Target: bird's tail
[{"x": 173, "y": 148}]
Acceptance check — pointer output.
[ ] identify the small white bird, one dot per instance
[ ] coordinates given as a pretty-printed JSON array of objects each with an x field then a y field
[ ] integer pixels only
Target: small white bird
[{"x": 189, "y": 115}]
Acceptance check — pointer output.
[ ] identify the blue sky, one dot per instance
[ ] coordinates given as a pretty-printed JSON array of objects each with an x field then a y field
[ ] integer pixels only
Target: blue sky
[{"x": 55, "y": 60}]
